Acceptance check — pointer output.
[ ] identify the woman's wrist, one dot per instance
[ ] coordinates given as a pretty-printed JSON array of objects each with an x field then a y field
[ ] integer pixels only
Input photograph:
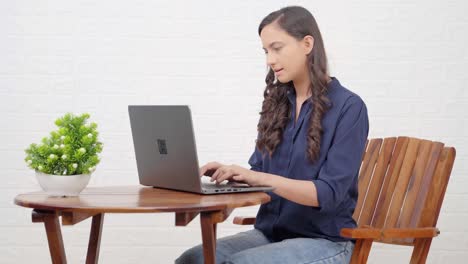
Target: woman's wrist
[{"x": 261, "y": 178}]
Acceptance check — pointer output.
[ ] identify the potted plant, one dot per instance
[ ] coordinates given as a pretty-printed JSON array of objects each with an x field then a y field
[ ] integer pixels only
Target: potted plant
[{"x": 65, "y": 160}]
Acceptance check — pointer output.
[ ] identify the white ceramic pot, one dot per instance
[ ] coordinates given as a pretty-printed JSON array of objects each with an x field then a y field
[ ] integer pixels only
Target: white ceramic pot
[{"x": 62, "y": 185}]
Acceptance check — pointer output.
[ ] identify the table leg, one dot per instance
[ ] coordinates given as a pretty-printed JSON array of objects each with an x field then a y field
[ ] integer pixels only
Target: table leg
[
  {"x": 208, "y": 227},
  {"x": 54, "y": 234},
  {"x": 95, "y": 239}
]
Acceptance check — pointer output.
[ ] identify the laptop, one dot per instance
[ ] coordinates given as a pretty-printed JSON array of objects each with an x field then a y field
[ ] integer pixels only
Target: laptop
[{"x": 166, "y": 153}]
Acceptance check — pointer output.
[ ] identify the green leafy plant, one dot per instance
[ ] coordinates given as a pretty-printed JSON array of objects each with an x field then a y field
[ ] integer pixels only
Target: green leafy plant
[{"x": 72, "y": 149}]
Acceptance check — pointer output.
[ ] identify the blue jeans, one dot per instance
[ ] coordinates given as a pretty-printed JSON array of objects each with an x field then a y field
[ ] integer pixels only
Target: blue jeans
[{"x": 253, "y": 247}]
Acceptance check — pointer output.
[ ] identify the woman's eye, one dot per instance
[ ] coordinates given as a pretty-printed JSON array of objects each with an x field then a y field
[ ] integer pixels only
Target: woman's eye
[{"x": 275, "y": 49}]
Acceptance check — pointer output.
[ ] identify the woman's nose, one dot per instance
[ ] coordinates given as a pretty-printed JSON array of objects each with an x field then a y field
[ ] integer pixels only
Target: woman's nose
[{"x": 271, "y": 59}]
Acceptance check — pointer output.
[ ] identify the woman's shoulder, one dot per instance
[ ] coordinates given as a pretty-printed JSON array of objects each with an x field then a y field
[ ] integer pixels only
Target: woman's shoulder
[
  {"x": 341, "y": 97},
  {"x": 345, "y": 104}
]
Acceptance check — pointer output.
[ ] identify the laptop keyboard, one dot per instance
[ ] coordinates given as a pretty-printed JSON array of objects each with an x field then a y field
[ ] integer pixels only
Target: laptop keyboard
[{"x": 224, "y": 186}]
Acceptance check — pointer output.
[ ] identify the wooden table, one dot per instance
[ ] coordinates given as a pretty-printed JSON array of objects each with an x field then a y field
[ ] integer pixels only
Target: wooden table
[{"x": 96, "y": 201}]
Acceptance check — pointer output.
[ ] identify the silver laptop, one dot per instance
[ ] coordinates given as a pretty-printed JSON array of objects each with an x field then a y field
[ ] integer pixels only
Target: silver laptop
[{"x": 166, "y": 154}]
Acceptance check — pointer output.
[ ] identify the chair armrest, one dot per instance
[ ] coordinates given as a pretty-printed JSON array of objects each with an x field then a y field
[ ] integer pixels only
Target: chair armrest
[
  {"x": 420, "y": 232},
  {"x": 243, "y": 220},
  {"x": 361, "y": 232},
  {"x": 368, "y": 232}
]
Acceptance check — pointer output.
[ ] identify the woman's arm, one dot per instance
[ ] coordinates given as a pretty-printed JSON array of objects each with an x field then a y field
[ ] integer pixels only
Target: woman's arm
[{"x": 298, "y": 191}]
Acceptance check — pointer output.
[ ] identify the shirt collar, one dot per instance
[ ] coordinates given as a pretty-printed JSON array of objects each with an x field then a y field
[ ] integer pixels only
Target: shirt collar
[{"x": 291, "y": 92}]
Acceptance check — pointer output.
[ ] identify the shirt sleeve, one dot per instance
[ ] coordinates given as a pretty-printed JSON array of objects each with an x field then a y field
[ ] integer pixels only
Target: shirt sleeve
[
  {"x": 340, "y": 170},
  {"x": 256, "y": 160}
]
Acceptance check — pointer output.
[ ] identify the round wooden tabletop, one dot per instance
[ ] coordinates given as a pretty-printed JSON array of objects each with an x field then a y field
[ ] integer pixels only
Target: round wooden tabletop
[{"x": 139, "y": 199}]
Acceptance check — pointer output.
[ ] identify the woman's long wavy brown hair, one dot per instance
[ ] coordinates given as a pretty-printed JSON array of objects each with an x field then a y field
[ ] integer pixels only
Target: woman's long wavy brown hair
[{"x": 276, "y": 108}]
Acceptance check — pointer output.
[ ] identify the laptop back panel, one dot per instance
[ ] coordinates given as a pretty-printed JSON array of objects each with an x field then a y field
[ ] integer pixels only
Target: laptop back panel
[{"x": 164, "y": 145}]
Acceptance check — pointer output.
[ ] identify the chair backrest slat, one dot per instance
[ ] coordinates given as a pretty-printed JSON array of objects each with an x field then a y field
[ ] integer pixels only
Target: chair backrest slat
[
  {"x": 420, "y": 186},
  {"x": 402, "y": 184},
  {"x": 378, "y": 176},
  {"x": 365, "y": 174},
  {"x": 414, "y": 184},
  {"x": 431, "y": 209},
  {"x": 389, "y": 183}
]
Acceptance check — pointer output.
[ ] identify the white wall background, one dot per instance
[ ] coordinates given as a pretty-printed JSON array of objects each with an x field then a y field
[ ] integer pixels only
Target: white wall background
[{"x": 406, "y": 59}]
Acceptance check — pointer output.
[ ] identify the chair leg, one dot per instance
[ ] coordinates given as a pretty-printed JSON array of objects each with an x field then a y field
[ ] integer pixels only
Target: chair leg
[
  {"x": 95, "y": 239},
  {"x": 361, "y": 251},
  {"x": 421, "y": 250}
]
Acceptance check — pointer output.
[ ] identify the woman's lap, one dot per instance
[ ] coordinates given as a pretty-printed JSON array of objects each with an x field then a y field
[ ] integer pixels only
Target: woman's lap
[
  {"x": 297, "y": 250},
  {"x": 253, "y": 247},
  {"x": 226, "y": 246}
]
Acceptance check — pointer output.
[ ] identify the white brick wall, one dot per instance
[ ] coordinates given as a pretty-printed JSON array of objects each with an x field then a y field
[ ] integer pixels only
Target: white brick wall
[{"x": 407, "y": 60}]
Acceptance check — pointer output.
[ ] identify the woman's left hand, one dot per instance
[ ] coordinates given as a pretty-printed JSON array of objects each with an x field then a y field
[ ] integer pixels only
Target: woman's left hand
[{"x": 238, "y": 174}]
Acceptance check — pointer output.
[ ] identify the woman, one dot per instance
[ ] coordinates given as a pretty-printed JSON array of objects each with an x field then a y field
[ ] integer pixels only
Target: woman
[{"x": 311, "y": 137}]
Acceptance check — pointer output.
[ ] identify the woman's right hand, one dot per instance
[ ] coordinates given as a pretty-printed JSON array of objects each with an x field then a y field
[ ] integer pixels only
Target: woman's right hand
[{"x": 209, "y": 168}]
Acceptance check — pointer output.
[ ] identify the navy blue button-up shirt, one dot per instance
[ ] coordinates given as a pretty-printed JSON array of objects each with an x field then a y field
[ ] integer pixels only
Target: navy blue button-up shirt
[{"x": 335, "y": 174}]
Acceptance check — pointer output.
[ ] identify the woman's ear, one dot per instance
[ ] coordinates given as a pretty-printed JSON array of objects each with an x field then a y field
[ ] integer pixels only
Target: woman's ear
[{"x": 308, "y": 44}]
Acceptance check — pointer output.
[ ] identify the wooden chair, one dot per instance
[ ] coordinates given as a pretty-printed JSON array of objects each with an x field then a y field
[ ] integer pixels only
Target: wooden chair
[{"x": 402, "y": 183}]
